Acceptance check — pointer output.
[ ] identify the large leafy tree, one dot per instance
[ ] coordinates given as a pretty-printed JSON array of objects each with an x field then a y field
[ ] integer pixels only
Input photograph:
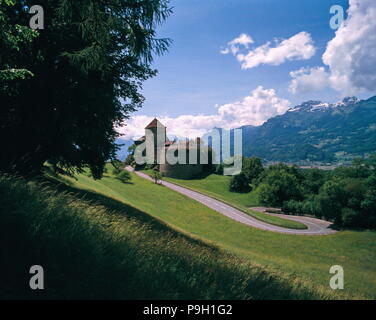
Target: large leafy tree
[
  {"x": 278, "y": 185},
  {"x": 66, "y": 88}
]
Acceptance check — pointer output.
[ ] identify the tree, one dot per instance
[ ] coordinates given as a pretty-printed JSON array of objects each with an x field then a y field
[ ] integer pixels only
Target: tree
[
  {"x": 130, "y": 158},
  {"x": 278, "y": 186},
  {"x": 252, "y": 169},
  {"x": 82, "y": 76},
  {"x": 313, "y": 181},
  {"x": 333, "y": 198},
  {"x": 369, "y": 203},
  {"x": 239, "y": 183},
  {"x": 156, "y": 175}
]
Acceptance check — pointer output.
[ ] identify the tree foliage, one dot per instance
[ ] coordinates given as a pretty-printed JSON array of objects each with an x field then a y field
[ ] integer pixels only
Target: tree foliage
[
  {"x": 239, "y": 183},
  {"x": 66, "y": 88},
  {"x": 252, "y": 170},
  {"x": 279, "y": 185},
  {"x": 347, "y": 197},
  {"x": 156, "y": 175}
]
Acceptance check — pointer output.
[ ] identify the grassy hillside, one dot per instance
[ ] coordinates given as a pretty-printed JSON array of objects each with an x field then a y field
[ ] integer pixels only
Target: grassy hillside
[
  {"x": 92, "y": 246},
  {"x": 216, "y": 186},
  {"x": 307, "y": 258}
]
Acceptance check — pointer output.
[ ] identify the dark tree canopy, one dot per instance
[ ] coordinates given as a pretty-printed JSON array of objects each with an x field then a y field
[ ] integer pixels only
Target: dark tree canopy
[{"x": 66, "y": 88}]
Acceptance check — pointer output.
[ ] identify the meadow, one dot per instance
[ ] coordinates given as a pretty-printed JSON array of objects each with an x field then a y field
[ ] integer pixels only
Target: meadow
[
  {"x": 216, "y": 186},
  {"x": 94, "y": 247},
  {"x": 305, "y": 258}
]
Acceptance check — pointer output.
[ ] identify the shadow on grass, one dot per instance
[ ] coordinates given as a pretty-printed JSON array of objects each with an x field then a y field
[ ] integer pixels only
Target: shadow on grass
[
  {"x": 120, "y": 207},
  {"x": 200, "y": 176},
  {"x": 90, "y": 252}
]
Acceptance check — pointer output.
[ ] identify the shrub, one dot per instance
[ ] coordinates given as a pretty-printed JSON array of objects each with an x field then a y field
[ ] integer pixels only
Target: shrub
[
  {"x": 291, "y": 207},
  {"x": 218, "y": 169},
  {"x": 239, "y": 183},
  {"x": 253, "y": 169},
  {"x": 124, "y": 176},
  {"x": 350, "y": 218},
  {"x": 156, "y": 175},
  {"x": 116, "y": 171}
]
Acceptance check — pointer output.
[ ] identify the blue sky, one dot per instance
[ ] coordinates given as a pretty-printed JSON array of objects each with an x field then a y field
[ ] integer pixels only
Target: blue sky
[{"x": 194, "y": 76}]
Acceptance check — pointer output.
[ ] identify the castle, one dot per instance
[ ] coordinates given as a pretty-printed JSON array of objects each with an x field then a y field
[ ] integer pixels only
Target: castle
[{"x": 185, "y": 170}]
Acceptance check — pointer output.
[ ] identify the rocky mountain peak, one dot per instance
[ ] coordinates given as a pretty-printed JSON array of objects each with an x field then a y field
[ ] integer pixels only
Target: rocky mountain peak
[
  {"x": 313, "y": 105},
  {"x": 347, "y": 101}
]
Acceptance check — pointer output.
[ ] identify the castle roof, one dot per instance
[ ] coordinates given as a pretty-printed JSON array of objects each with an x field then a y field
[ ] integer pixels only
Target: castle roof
[{"x": 154, "y": 124}]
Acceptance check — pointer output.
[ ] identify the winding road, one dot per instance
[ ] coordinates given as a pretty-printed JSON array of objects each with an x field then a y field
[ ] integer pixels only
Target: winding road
[{"x": 314, "y": 226}]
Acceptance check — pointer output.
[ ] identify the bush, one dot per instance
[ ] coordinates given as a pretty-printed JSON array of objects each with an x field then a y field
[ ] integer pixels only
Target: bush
[
  {"x": 253, "y": 169},
  {"x": 350, "y": 218},
  {"x": 218, "y": 169},
  {"x": 156, "y": 175},
  {"x": 129, "y": 160},
  {"x": 116, "y": 171},
  {"x": 239, "y": 183},
  {"x": 124, "y": 176},
  {"x": 292, "y": 207}
]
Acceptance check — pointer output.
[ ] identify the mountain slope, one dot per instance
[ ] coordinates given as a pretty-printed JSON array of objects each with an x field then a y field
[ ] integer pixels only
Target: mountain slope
[{"x": 316, "y": 132}]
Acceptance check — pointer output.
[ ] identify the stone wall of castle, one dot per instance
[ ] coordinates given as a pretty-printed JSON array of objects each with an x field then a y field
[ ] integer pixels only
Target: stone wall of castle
[{"x": 181, "y": 171}]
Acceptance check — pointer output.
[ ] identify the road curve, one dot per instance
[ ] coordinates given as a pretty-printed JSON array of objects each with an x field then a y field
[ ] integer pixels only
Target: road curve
[{"x": 314, "y": 226}]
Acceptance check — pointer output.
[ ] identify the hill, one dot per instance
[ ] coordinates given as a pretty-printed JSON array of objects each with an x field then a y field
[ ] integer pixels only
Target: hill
[
  {"x": 316, "y": 132},
  {"x": 95, "y": 247},
  {"x": 107, "y": 239}
]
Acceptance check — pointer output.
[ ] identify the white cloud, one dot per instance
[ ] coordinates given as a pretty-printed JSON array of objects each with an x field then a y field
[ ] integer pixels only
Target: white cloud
[
  {"x": 235, "y": 45},
  {"x": 351, "y": 54},
  {"x": 307, "y": 80},
  {"x": 298, "y": 47},
  {"x": 350, "y": 57},
  {"x": 254, "y": 109}
]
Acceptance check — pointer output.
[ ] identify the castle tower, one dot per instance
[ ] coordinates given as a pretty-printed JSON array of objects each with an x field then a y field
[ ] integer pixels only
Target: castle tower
[{"x": 159, "y": 132}]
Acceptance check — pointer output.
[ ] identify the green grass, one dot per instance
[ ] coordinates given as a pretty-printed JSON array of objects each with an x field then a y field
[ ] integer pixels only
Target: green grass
[
  {"x": 307, "y": 258},
  {"x": 216, "y": 186},
  {"x": 94, "y": 247}
]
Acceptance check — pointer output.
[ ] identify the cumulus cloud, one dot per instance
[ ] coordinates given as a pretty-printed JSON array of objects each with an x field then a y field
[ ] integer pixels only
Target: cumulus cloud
[
  {"x": 235, "y": 45},
  {"x": 307, "y": 80},
  {"x": 254, "y": 109},
  {"x": 351, "y": 54},
  {"x": 298, "y": 47},
  {"x": 350, "y": 57}
]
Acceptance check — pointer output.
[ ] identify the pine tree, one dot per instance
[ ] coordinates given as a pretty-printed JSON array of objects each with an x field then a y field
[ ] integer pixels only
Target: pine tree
[{"x": 83, "y": 77}]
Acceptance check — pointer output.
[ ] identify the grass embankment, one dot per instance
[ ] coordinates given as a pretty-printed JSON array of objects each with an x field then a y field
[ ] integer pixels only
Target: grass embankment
[
  {"x": 92, "y": 246},
  {"x": 307, "y": 258},
  {"x": 216, "y": 186}
]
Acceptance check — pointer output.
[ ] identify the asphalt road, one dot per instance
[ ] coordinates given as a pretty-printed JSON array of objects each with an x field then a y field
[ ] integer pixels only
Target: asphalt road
[{"x": 314, "y": 226}]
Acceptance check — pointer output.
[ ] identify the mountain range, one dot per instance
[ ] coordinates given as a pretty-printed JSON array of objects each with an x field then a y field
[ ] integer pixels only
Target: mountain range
[{"x": 317, "y": 132}]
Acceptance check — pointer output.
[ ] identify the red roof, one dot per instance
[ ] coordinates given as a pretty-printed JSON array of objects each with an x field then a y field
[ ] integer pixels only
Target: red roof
[{"x": 154, "y": 124}]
